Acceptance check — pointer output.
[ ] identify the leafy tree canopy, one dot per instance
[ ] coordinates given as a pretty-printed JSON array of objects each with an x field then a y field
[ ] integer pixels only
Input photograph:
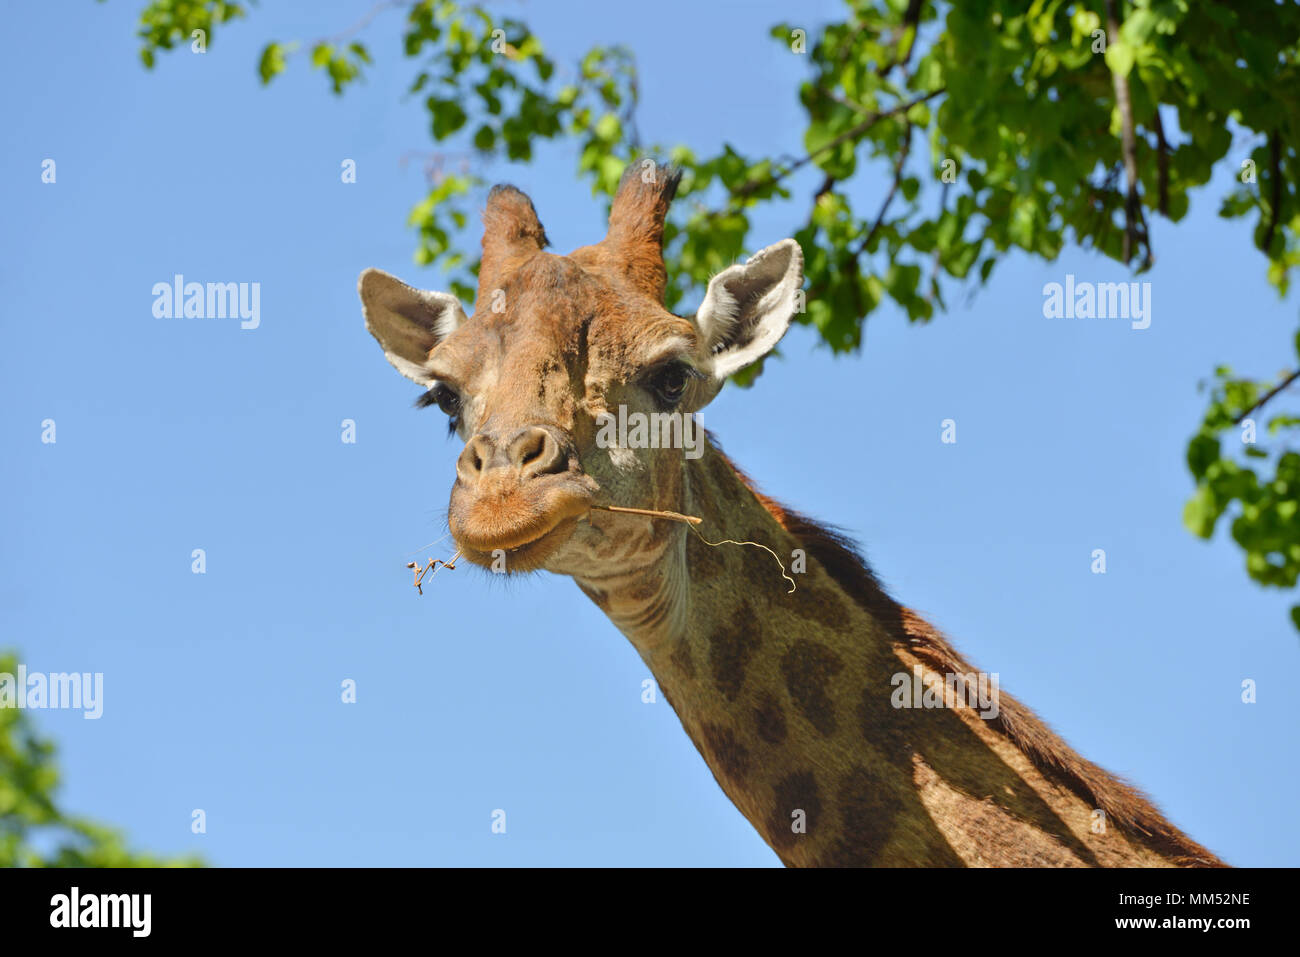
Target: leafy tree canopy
[{"x": 996, "y": 125}]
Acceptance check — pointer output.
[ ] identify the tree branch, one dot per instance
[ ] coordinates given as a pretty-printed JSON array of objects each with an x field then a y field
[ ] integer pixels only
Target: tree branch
[
  {"x": 827, "y": 185},
  {"x": 1128, "y": 141},
  {"x": 889, "y": 197},
  {"x": 1268, "y": 395},
  {"x": 911, "y": 20},
  {"x": 753, "y": 186}
]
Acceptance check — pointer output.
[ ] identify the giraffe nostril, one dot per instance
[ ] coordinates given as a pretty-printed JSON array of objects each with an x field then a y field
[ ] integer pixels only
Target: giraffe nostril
[
  {"x": 531, "y": 452},
  {"x": 533, "y": 449},
  {"x": 476, "y": 458},
  {"x": 535, "y": 452}
]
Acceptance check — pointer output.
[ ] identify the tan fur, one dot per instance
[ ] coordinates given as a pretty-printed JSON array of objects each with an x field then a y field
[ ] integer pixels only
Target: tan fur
[{"x": 918, "y": 641}]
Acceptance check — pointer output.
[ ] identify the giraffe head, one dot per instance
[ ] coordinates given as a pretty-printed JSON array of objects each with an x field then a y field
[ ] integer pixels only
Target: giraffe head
[{"x": 558, "y": 354}]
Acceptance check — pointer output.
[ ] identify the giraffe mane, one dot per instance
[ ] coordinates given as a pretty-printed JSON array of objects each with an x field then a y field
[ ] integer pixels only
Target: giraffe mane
[{"x": 1122, "y": 802}]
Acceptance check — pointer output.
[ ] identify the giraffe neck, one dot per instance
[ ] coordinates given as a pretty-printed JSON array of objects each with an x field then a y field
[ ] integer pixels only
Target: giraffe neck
[{"x": 791, "y": 698}]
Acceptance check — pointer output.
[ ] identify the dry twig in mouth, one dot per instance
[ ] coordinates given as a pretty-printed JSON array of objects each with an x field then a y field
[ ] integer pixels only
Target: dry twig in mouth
[
  {"x": 689, "y": 520},
  {"x": 692, "y": 521},
  {"x": 653, "y": 512},
  {"x": 433, "y": 563}
]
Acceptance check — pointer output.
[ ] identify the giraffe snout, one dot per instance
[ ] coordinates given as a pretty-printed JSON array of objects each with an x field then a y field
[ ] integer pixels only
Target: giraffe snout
[
  {"x": 531, "y": 452},
  {"x": 518, "y": 492}
]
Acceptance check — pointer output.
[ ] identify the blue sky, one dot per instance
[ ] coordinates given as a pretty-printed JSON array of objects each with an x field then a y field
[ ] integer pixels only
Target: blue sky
[{"x": 222, "y": 689}]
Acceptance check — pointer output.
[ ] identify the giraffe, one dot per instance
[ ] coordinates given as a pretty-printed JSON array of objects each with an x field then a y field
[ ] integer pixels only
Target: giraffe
[{"x": 790, "y": 696}]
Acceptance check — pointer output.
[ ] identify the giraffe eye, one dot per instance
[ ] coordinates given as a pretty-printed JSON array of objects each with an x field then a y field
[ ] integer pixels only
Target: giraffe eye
[
  {"x": 445, "y": 398},
  {"x": 669, "y": 383}
]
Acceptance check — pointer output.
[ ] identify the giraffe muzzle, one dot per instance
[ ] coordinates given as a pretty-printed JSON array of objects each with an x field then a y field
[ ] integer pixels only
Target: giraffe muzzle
[{"x": 518, "y": 496}]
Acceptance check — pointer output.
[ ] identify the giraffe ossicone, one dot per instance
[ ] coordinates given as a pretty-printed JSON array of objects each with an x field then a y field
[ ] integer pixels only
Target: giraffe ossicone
[{"x": 786, "y": 694}]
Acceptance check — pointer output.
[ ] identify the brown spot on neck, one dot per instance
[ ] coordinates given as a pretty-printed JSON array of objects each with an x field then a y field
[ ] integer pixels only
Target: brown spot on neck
[
  {"x": 794, "y": 793},
  {"x": 808, "y": 668},
  {"x": 867, "y": 797},
  {"x": 769, "y": 719},
  {"x": 682, "y": 658},
  {"x": 731, "y": 645},
  {"x": 729, "y": 755}
]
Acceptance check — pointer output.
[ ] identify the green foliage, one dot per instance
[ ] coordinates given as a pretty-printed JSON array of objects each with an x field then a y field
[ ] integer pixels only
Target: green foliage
[
  {"x": 997, "y": 125},
  {"x": 30, "y": 816},
  {"x": 1002, "y": 133},
  {"x": 1252, "y": 473},
  {"x": 166, "y": 24}
]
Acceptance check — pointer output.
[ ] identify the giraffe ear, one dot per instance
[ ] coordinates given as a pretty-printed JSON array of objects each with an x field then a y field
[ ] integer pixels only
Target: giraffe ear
[
  {"x": 407, "y": 322},
  {"x": 748, "y": 308}
]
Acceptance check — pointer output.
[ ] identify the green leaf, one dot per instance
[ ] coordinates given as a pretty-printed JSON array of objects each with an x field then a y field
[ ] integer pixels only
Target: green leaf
[
  {"x": 272, "y": 62},
  {"x": 608, "y": 128},
  {"x": 1202, "y": 452},
  {"x": 448, "y": 116},
  {"x": 1120, "y": 57}
]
